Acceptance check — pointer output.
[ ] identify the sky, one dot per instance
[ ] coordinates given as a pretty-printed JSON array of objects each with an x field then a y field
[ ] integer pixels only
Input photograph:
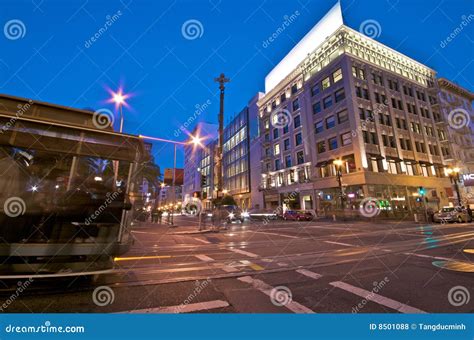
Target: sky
[{"x": 165, "y": 54}]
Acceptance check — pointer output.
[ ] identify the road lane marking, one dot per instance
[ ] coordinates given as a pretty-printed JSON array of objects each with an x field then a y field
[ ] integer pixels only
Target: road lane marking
[
  {"x": 131, "y": 258},
  {"x": 252, "y": 265},
  {"x": 428, "y": 256},
  {"x": 266, "y": 289},
  {"x": 371, "y": 296},
  {"x": 243, "y": 252},
  {"x": 308, "y": 273},
  {"x": 282, "y": 264},
  {"x": 203, "y": 241},
  {"x": 340, "y": 243},
  {"x": 204, "y": 258},
  {"x": 276, "y": 234},
  {"x": 229, "y": 269},
  {"x": 183, "y": 308}
]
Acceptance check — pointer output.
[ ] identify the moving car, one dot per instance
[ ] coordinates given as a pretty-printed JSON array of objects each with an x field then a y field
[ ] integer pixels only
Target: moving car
[
  {"x": 452, "y": 214},
  {"x": 228, "y": 213},
  {"x": 297, "y": 215}
]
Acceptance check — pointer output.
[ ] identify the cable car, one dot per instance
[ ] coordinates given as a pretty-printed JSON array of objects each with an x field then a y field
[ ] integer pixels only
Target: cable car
[{"x": 68, "y": 186}]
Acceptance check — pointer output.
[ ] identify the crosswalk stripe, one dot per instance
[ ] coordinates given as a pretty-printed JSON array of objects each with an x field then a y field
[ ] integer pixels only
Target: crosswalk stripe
[
  {"x": 371, "y": 296},
  {"x": 243, "y": 252},
  {"x": 183, "y": 308},
  {"x": 204, "y": 258},
  {"x": 308, "y": 273},
  {"x": 200, "y": 240},
  {"x": 266, "y": 289}
]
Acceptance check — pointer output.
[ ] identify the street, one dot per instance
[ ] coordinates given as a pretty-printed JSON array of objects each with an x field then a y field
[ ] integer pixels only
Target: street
[{"x": 319, "y": 266}]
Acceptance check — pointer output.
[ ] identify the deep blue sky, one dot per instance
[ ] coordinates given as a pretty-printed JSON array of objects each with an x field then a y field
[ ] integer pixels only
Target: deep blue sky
[{"x": 169, "y": 75}]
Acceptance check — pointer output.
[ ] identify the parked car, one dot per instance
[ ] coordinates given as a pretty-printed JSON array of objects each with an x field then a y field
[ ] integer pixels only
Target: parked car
[
  {"x": 297, "y": 215},
  {"x": 452, "y": 214}
]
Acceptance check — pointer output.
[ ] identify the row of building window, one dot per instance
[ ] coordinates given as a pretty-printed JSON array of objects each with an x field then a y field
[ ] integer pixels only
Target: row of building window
[
  {"x": 326, "y": 82},
  {"x": 327, "y": 102},
  {"x": 288, "y": 161},
  {"x": 332, "y": 143}
]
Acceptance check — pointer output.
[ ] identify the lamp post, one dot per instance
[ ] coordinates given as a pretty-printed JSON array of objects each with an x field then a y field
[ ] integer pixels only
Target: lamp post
[
  {"x": 453, "y": 174},
  {"x": 119, "y": 99},
  {"x": 338, "y": 163},
  {"x": 196, "y": 141}
]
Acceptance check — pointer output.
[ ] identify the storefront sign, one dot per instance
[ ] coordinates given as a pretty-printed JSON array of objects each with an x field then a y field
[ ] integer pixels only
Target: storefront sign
[{"x": 468, "y": 180}]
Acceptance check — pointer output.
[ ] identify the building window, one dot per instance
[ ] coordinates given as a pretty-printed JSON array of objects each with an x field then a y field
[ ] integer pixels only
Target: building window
[
  {"x": 337, "y": 75},
  {"x": 327, "y": 102},
  {"x": 325, "y": 83},
  {"x": 276, "y": 149},
  {"x": 321, "y": 147},
  {"x": 286, "y": 144},
  {"x": 283, "y": 97},
  {"x": 267, "y": 124},
  {"x": 285, "y": 129},
  {"x": 316, "y": 107},
  {"x": 315, "y": 90},
  {"x": 318, "y": 127},
  {"x": 277, "y": 164},
  {"x": 298, "y": 139},
  {"x": 346, "y": 139},
  {"x": 339, "y": 95},
  {"x": 330, "y": 122},
  {"x": 297, "y": 121},
  {"x": 288, "y": 161},
  {"x": 358, "y": 72},
  {"x": 300, "y": 157},
  {"x": 342, "y": 117},
  {"x": 275, "y": 133},
  {"x": 296, "y": 104},
  {"x": 332, "y": 142},
  {"x": 294, "y": 89}
]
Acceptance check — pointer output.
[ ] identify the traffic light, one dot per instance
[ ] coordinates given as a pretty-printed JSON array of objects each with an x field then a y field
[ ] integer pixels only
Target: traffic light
[
  {"x": 203, "y": 180},
  {"x": 421, "y": 191}
]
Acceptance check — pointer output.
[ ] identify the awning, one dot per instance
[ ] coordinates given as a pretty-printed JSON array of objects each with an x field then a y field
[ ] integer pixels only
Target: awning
[
  {"x": 376, "y": 157},
  {"x": 322, "y": 164},
  {"x": 423, "y": 163},
  {"x": 410, "y": 161},
  {"x": 394, "y": 159}
]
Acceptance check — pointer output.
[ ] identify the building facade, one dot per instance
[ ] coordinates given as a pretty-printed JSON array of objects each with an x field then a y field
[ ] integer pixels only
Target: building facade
[
  {"x": 240, "y": 137},
  {"x": 354, "y": 100},
  {"x": 456, "y": 106}
]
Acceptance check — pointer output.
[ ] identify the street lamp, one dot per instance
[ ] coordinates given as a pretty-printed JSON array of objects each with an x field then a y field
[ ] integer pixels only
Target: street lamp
[
  {"x": 338, "y": 163},
  {"x": 119, "y": 99},
  {"x": 453, "y": 174}
]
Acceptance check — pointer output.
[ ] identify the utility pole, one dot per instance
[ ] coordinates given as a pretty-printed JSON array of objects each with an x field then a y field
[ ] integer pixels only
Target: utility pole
[{"x": 220, "y": 147}]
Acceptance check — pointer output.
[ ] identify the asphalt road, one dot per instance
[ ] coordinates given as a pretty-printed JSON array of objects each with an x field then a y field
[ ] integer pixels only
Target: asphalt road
[{"x": 277, "y": 267}]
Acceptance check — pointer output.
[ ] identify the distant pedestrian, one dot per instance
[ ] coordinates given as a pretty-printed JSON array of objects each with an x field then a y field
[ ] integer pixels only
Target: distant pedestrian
[
  {"x": 154, "y": 215},
  {"x": 469, "y": 212},
  {"x": 430, "y": 212},
  {"x": 160, "y": 216}
]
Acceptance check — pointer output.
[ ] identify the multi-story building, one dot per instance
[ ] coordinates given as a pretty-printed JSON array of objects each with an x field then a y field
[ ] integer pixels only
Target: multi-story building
[
  {"x": 340, "y": 95},
  {"x": 193, "y": 159},
  {"x": 240, "y": 138},
  {"x": 456, "y": 106}
]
